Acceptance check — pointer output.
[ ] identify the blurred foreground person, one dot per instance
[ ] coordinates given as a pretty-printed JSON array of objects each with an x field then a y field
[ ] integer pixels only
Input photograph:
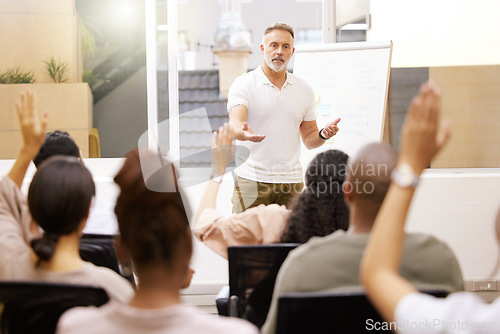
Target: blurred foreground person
[{"x": 155, "y": 232}]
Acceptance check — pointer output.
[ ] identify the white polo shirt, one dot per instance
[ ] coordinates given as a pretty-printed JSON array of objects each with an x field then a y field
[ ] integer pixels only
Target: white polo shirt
[{"x": 277, "y": 114}]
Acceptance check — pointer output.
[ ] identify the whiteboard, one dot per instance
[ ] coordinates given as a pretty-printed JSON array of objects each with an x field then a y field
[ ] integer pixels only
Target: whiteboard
[{"x": 350, "y": 81}]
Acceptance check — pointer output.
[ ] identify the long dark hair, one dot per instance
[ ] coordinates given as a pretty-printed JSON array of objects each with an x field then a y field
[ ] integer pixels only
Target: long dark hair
[
  {"x": 320, "y": 209},
  {"x": 151, "y": 216},
  {"x": 59, "y": 198}
]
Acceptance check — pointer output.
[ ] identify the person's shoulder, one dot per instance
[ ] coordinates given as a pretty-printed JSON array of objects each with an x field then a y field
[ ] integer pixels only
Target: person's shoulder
[
  {"x": 317, "y": 245},
  {"x": 209, "y": 323},
  {"x": 424, "y": 241},
  {"x": 271, "y": 208},
  {"x": 298, "y": 80},
  {"x": 78, "y": 319},
  {"x": 110, "y": 280},
  {"x": 10, "y": 191},
  {"x": 262, "y": 214},
  {"x": 93, "y": 270},
  {"x": 466, "y": 306}
]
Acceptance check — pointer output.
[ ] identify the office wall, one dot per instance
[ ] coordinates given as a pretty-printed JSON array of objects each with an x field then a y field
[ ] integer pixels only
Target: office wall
[
  {"x": 68, "y": 106},
  {"x": 460, "y": 207},
  {"x": 121, "y": 116},
  {"x": 438, "y": 33},
  {"x": 471, "y": 103},
  {"x": 34, "y": 31},
  {"x": 457, "y": 41}
]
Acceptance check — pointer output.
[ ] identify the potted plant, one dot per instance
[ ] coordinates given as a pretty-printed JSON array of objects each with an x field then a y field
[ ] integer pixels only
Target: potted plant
[{"x": 56, "y": 69}]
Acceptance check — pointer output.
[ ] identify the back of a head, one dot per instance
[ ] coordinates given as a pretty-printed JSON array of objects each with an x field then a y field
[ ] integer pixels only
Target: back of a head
[
  {"x": 320, "y": 209},
  {"x": 153, "y": 224},
  {"x": 56, "y": 143},
  {"x": 369, "y": 175},
  {"x": 59, "y": 198}
]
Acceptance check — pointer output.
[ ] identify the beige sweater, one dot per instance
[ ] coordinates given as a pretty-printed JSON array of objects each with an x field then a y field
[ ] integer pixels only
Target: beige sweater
[
  {"x": 15, "y": 253},
  {"x": 123, "y": 319},
  {"x": 263, "y": 224}
]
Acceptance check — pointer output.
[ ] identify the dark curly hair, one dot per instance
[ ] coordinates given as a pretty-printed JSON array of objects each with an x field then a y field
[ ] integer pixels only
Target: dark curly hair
[
  {"x": 57, "y": 143},
  {"x": 320, "y": 209}
]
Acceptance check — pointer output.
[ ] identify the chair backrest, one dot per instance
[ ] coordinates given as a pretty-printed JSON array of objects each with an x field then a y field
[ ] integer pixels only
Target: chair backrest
[
  {"x": 331, "y": 312},
  {"x": 35, "y": 307},
  {"x": 100, "y": 250},
  {"x": 251, "y": 264}
]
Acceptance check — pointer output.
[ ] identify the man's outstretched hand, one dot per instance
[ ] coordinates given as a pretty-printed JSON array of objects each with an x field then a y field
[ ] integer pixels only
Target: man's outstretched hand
[{"x": 250, "y": 135}]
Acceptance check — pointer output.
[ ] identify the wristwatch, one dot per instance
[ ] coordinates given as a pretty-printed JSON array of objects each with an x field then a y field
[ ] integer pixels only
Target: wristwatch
[
  {"x": 320, "y": 135},
  {"x": 404, "y": 176}
]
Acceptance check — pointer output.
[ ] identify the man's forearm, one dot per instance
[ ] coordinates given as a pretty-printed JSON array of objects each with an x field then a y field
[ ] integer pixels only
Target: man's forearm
[
  {"x": 236, "y": 130},
  {"x": 313, "y": 140}
]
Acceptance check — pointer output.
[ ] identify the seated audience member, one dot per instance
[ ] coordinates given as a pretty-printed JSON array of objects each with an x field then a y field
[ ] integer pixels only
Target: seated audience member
[
  {"x": 318, "y": 211},
  {"x": 58, "y": 201},
  {"x": 402, "y": 305},
  {"x": 102, "y": 219},
  {"x": 155, "y": 232},
  {"x": 332, "y": 262}
]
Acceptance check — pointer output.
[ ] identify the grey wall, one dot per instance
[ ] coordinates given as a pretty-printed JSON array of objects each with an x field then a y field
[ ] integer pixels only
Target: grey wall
[
  {"x": 121, "y": 117},
  {"x": 403, "y": 86}
]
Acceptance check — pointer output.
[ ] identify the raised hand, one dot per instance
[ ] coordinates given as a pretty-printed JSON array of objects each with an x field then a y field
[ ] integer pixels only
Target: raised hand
[
  {"x": 250, "y": 135},
  {"x": 421, "y": 137},
  {"x": 223, "y": 149},
  {"x": 33, "y": 126},
  {"x": 33, "y": 123}
]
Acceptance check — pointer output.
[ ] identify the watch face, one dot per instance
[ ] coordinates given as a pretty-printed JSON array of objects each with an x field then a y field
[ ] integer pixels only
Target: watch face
[{"x": 404, "y": 176}]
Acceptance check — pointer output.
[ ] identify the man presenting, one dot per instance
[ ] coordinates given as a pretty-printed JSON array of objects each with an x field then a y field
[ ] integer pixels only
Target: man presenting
[{"x": 269, "y": 109}]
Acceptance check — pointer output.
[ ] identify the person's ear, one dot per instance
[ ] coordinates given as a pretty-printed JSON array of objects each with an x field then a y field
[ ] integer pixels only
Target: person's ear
[
  {"x": 262, "y": 48},
  {"x": 348, "y": 190}
]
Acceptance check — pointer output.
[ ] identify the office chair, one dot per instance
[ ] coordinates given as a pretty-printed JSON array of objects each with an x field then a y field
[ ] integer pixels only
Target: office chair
[
  {"x": 35, "y": 307},
  {"x": 252, "y": 274},
  {"x": 100, "y": 250},
  {"x": 330, "y": 312}
]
